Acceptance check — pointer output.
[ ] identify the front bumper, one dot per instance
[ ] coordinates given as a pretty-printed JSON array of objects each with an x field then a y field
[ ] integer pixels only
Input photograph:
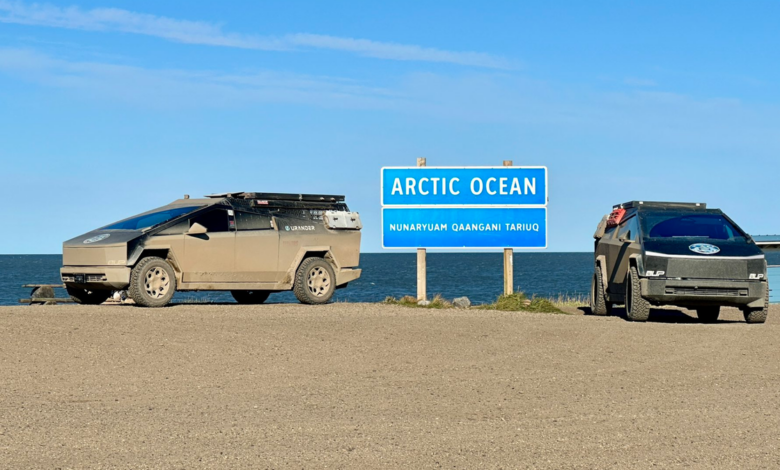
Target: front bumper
[
  {"x": 115, "y": 277},
  {"x": 700, "y": 292}
]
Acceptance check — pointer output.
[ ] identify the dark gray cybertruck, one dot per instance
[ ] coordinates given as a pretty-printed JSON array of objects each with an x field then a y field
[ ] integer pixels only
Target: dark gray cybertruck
[{"x": 662, "y": 253}]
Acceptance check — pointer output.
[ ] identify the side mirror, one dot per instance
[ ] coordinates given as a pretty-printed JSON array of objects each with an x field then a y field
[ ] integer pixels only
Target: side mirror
[{"x": 197, "y": 229}]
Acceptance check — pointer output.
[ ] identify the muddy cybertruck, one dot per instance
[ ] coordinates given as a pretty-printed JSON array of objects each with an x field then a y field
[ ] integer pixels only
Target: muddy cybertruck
[
  {"x": 662, "y": 253},
  {"x": 251, "y": 244}
]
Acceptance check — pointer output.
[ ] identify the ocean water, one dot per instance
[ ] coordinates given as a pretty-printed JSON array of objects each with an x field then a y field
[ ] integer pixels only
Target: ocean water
[{"x": 479, "y": 276}]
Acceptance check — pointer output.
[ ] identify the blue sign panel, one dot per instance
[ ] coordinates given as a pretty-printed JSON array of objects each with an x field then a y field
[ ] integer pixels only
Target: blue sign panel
[
  {"x": 482, "y": 186},
  {"x": 449, "y": 227}
]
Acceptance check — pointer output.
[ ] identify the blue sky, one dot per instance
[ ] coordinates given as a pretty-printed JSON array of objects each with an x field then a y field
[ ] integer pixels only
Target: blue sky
[{"x": 111, "y": 108}]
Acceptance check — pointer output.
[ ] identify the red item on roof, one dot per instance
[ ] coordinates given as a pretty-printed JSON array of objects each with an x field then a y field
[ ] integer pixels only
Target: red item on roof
[{"x": 615, "y": 217}]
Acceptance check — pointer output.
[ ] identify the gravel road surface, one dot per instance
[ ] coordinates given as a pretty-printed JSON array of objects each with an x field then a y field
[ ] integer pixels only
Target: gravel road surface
[{"x": 377, "y": 386}]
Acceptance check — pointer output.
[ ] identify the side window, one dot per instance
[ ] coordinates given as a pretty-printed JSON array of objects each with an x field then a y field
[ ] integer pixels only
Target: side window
[
  {"x": 178, "y": 229},
  {"x": 249, "y": 221},
  {"x": 634, "y": 227},
  {"x": 214, "y": 221},
  {"x": 628, "y": 230}
]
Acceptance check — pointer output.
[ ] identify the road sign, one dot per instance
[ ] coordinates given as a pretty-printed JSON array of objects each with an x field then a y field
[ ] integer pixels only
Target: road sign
[
  {"x": 469, "y": 186},
  {"x": 457, "y": 227},
  {"x": 469, "y": 207}
]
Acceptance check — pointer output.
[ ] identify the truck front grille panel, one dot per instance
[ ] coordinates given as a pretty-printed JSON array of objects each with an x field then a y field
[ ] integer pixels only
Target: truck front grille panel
[{"x": 707, "y": 291}]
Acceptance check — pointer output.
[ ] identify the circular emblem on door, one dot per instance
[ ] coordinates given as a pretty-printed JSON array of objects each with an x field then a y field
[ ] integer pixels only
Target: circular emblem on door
[
  {"x": 704, "y": 248},
  {"x": 97, "y": 238}
]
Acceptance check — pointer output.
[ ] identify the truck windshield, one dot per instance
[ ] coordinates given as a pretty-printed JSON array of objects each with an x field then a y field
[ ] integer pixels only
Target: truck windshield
[
  {"x": 144, "y": 221},
  {"x": 688, "y": 225}
]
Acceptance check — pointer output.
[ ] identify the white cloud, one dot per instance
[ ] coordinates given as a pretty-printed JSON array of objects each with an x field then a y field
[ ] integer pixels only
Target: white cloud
[
  {"x": 394, "y": 51},
  {"x": 156, "y": 88},
  {"x": 211, "y": 34},
  {"x": 635, "y": 119}
]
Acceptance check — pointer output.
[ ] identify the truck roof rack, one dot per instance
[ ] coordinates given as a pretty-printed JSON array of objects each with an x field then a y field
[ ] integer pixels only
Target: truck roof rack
[
  {"x": 281, "y": 197},
  {"x": 661, "y": 205}
]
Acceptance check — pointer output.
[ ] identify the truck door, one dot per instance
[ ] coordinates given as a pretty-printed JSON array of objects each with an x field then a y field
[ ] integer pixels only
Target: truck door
[
  {"x": 257, "y": 248},
  {"x": 621, "y": 247},
  {"x": 210, "y": 256}
]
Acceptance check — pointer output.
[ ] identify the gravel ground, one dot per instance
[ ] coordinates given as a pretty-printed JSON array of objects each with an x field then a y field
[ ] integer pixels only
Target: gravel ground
[{"x": 373, "y": 386}]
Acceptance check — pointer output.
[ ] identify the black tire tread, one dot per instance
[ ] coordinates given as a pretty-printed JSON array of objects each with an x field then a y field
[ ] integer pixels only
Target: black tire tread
[
  {"x": 639, "y": 310},
  {"x": 758, "y": 315},
  {"x": 136, "y": 292},
  {"x": 300, "y": 288},
  {"x": 599, "y": 304}
]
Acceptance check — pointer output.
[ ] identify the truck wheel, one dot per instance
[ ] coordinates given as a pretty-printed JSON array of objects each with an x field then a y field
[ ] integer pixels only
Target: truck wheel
[
  {"x": 152, "y": 282},
  {"x": 758, "y": 315},
  {"x": 88, "y": 297},
  {"x": 637, "y": 308},
  {"x": 250, "y": 297},
  {"x": 598, "y": 301},
  {"x": 315, "y": 281},
  {"x": 708, "y": 314}
]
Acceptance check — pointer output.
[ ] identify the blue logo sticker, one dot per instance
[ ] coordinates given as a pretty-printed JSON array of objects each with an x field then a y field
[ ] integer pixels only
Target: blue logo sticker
[{"x": 704, "y": 248}]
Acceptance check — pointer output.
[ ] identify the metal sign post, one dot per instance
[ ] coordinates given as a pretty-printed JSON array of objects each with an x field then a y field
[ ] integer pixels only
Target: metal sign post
[
  {"x": 422, "y": 268},
  {"x": 509, "y": 273}
]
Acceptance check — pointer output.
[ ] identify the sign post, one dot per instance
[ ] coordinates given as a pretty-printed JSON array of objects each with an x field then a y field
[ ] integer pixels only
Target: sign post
[
  {"x": 509, "y": 269},
  {"x": 422, "y": 268}
]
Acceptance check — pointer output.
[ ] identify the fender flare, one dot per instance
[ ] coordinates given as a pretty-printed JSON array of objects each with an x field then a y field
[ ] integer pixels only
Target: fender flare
[
  {"x": 636, "y": 259},
  {"x": 302, "y": 254},
  {"x": 170, "y": 257}
]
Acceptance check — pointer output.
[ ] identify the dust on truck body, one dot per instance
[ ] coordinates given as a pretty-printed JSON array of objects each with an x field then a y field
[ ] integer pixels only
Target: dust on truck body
[
  {"x": 251, "y": 244},
  {"x": 682, "y": 254}
]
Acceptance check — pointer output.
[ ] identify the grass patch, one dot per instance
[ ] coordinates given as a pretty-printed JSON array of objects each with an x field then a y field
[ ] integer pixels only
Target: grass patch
[
  {"x": 568, "y": 300},
  {"x": 408, "y": 301},
  {"x": 517, "y": 302}
]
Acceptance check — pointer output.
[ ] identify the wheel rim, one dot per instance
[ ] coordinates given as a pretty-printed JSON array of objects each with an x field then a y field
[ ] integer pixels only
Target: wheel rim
[
  {"x": 157, "y": 282},
  {"x": 318, "y": 281}
]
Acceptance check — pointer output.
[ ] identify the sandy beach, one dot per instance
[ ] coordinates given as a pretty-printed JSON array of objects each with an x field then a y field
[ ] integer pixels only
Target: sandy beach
[{"x": 378, "y": 386}]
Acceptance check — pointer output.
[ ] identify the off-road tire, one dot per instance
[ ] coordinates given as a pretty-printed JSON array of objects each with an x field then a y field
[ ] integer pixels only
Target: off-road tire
[
  {"x": 315, "y": 281},
  {"x": 598, "y": 301},
  {"x": 637, "y": 308},
  {"x": 250, "y": 297},
  {"x": 708, "y": 314},
  {"x": 152, "y": 282},
  {"x": 88, "y": 297},
  {"x": 758, "y": 315}
]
